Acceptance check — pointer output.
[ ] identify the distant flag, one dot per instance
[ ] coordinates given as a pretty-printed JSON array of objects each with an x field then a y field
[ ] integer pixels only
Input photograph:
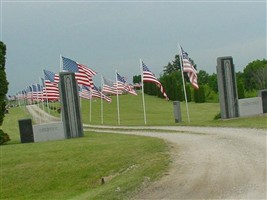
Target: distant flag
[
  {"x": 84, "y": 92},
  {"x": 122, "y": 85},
  {"x": 97, "y": 93},
  {"x": 51, "y": 76},
  {"x": 189, "y": 68},
  {"x": 83, "y": 74},
  {"x": 148, "y": 76},
  {"x": 50, "y": 89},
  {"x": 109, "y": 87},
  {"x": 29, "y": 92}
]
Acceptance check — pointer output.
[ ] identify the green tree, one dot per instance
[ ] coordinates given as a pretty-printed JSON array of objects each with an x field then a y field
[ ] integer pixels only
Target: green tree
[
  {"x": 137, "y": 79},
  {"x": 202, "y": 77},
  {"x": 213, "y": 82},
  {"x": 3, "y": 90},
  {"x": 255, "y": 75},
  {"x": 172, "y": 67},
  {"x": 3, "y": 81}
]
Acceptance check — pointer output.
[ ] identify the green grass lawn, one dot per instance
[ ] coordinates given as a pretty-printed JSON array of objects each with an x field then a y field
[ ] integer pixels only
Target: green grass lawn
[
  {"x": 73, "y": 168},
  {"x": 160, "y": 112}
]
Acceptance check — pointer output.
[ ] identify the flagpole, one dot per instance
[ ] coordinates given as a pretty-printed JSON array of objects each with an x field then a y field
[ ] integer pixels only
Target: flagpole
[
  {"x": 143, "y": 97},
  {"x": 101, "y": 99},
  {"x": 118, "y": 102},
  {"x": 182, "y": 72},
  {"x": 90, "y": 112}
]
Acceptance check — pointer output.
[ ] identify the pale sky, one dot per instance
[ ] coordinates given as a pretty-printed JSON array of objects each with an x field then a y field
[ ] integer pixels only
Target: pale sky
[{"x": 114, "y": 35}]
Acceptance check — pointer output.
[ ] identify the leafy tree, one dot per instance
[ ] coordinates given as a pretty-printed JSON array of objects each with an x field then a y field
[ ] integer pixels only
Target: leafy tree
[
  {"x": 199, "y": 95},
  {"x": 173, "y": 67},
  {"x": 255, "y": 75},
  {"x": 213, "y": 82},
  {"x": 202, "y": 77},
  {"x": 3, "y": 90},
  {"x": 3, "y": 81},
  {"x": 137, "y": 79}
]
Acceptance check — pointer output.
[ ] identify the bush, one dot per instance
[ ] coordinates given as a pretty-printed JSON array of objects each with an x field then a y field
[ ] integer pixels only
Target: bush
[
  {"x": 4, "y": 137},
  {"x": 218, "y": 116}
]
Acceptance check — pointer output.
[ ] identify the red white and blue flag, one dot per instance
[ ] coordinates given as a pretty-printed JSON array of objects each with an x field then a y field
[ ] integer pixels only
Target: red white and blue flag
[
  {"x": 148, "y": 76},
  {"x": 83, "y": 74},
  {"x": 50, "y": 89},
  {"x": 189, "y": 68},
  {"x": 123, "y": 86}
]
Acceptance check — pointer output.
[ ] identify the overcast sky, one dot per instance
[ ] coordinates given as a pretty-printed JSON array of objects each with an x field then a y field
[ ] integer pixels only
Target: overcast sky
[{"x": 107, "y": 36}]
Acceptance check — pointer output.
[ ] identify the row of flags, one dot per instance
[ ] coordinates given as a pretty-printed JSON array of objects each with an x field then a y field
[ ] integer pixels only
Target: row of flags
[{"x": 47, "y": 89}]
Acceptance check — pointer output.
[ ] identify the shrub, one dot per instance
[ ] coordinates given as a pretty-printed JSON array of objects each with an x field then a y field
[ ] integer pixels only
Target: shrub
[
  {"x": 218, "y": 116},
  {"x": 4, "y": 137}
]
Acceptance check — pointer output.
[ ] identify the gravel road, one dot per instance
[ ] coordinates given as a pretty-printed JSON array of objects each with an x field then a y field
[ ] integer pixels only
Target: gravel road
[{"x": 207, "y": 163}]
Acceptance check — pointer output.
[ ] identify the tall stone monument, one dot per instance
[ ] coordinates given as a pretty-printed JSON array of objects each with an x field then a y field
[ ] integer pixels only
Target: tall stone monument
[
  {"x": 69, "y": 98},
  {"x": 227, "y": 87}
]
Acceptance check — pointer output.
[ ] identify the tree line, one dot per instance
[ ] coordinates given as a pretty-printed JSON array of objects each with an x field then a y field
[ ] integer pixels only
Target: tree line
[{"x": 252, "y": 79}]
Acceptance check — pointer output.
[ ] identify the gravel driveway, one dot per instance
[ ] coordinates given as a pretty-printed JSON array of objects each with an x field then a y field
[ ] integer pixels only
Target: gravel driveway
[{"x": 207, "y": 163}]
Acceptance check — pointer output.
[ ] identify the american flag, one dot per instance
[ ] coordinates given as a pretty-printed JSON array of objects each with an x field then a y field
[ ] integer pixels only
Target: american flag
[
  {"x": 51, "y": 76},
  {"x": 97, "y": 93},
  {"x": 109, "y": 87},
  {"x": 123, "y": 86},
  {"x": 148, "y": 76},
  {"x": 83, "y": 74},
  {"x": 50, "y": 89},
  {"x": 189, "y": 68},
  {"x": 84, "y": 92}
]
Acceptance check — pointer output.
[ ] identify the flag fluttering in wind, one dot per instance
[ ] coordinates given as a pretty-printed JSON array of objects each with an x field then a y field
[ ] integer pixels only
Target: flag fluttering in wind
[
  {"x": 97, "y": 93},
  {"x": 109, "y": 87},
  {"x": 123, "y": 86},
  {"x": 84, "y": 92},
  {"x": 189, "y": 68},
  {"x": 83, "y": 74},
  {"x": 50, "y": 88},
  {"x": 148, "y": 76}
]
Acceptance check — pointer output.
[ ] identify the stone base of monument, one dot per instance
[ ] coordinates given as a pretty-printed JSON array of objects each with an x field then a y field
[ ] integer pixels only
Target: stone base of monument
[
  {"x": 48, "y": 132},
  {"x": 250, "y": 106}
]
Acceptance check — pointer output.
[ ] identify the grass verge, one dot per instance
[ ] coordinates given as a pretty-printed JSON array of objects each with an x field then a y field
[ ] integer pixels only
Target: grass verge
[{"x": 73, "y": 168}]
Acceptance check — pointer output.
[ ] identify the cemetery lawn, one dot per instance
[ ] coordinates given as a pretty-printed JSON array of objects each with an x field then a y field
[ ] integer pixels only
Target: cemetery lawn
[{"x": 73, "y": 168}]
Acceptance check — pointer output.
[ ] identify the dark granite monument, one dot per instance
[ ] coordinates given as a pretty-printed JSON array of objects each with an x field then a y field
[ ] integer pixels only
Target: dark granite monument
[
  {"x": 263, "y": 95},
  {"x": 26, "y": 131},
  {"x": 69, "y": 98},
  {"x": 227, "y": 87}
]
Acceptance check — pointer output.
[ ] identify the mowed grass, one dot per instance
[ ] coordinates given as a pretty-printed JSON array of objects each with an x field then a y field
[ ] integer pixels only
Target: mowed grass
[
  {"x": 160, "y": 112},
  {"x": 73, "y": 168}
]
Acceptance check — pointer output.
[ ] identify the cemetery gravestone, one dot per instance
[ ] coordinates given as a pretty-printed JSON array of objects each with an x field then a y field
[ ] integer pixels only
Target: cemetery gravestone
[
  {"x": 177, "y": 111},
  {"x": 26, "y": 131}
]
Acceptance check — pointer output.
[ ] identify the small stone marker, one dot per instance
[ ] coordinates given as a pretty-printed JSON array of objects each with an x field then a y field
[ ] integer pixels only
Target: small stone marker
[{"x": 177, "y": 111}]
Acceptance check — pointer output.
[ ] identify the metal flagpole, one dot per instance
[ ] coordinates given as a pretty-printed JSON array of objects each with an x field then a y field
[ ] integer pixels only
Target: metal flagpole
[
  {"x": 90, "y": 112},
  {"x": 143, "y": 97},
  {"x": 118, "y": 102},
  {"x": 102, "y": 120},
  {"x": 182, "y": 72}
]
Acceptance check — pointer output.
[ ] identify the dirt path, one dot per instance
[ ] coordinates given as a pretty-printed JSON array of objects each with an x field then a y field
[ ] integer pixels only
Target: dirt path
[
  {"x": 207, "y": 163},
  {"x": 39, "y": 116}
]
